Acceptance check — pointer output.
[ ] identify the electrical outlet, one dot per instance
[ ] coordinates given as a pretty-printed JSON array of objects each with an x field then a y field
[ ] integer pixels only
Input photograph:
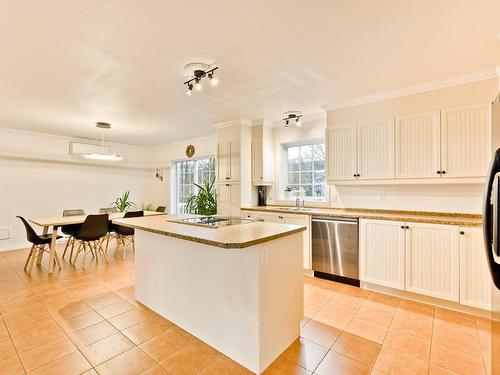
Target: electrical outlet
[
  {"x": 264, "y": 254},
  {"x": 5, "y": 233}
]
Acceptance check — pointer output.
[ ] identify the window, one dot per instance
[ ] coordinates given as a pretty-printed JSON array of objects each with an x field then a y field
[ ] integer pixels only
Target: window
[
  {"x": 306, "y": 170},
  {"x": 188, "y": 172}
]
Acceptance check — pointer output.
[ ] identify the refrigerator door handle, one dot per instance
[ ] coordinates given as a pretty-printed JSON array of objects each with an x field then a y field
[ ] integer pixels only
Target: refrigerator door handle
[{"x": 491, "y": 218}]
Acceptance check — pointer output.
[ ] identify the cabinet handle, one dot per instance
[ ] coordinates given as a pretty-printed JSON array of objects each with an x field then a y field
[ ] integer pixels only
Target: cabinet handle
[
  {"x": 228, "y": 185},
  {"x": 407, "y": 227},
  {"x": 227, "y": 178},
  {"x": 280, "y": 217},
  {"x": 443, "y": 172},
  {"x": 402, "y": 227},
  {"x": 438, "y": 172},
  {"x": 462, "y": 232},
  {"x": 354, "y": 175}
]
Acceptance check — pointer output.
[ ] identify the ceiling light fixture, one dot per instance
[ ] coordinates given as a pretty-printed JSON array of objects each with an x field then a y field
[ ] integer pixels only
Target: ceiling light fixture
[
  {"x": 104, "y": 154},
  {"x": 196, "y": 72},
  {"x": 290, "y": 116}
]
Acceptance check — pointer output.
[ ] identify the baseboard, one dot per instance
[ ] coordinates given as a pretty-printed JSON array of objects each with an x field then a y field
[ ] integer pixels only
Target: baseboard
[
  {"x": 22, "y": 245},
  {"x": 14, "y": 246},
  {"x": 428, "y": 300}
]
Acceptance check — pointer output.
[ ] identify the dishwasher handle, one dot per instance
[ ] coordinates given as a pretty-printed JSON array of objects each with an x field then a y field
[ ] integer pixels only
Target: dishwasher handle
[{"x": 333, "y": 220}]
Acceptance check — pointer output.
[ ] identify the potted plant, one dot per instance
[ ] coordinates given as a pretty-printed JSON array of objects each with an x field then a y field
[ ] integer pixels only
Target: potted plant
[
  {"x": 122, "y": 203},
  {"x": 204, "y": 201},
  {"x": 147, "y": 206}
]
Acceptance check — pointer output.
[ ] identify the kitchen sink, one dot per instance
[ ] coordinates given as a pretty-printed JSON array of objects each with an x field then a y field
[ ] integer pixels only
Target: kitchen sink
[{"x": 293, "y": 209}]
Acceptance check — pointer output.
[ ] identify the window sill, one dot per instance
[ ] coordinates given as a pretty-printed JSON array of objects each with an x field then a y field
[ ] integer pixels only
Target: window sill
[{"x": 310, "y": 203}]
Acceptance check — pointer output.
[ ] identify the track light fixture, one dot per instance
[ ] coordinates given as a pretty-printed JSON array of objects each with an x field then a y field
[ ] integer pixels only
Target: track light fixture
[
  {"x": 197, "y": 72},
  {"x": 291, "y": 117}
]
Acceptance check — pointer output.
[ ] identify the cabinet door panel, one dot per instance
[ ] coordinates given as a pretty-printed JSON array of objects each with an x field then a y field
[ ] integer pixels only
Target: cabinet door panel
[
  {"x": 235, "y": 200},
  {"x": 223, "y": 199},
  {"x": 234, "y": 160},
  {"x": 418, "y": 146},
  {"x": 475, "y": 281},
  {"x": 341, "y": 151},
  {"x": 223, "y": 156},
  {"x": 257, "y": 164},
  {"x": 465, "y": 141},
  {"x": 382, "y": 253},
  {"x": 375, "y": 145},
  {"x": 432, "y": 260}
]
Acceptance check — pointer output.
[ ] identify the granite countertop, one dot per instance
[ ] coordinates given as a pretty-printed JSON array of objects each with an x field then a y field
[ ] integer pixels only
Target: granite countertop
[
  {"x": 230, "y": 237},
  {"x": 466, "y": 220}
]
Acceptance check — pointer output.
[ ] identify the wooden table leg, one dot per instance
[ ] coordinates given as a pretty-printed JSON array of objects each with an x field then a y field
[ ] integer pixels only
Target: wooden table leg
[{"x": 52, "y": 250}]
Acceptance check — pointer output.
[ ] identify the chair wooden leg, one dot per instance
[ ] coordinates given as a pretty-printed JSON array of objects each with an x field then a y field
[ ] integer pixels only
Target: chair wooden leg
[
  {"x": 107, "y": 242},
  {"x": 133, "y": 245},
  {"x": 71, "y": 251},
  {"x": 56, "y": 259},
  {"x": 35, "y": 257},
  {"x": 84, "y": 254},
  {"x": 29, "y": 256},
  {"x": 39, "y": 259},
  {"x": 77, "y": 252},
  {"x": 66, "y": 247},
  {"x": 103, "y": 252},
  {"x": 95, "y": 246},
  {"x": 118, "y": 240}
]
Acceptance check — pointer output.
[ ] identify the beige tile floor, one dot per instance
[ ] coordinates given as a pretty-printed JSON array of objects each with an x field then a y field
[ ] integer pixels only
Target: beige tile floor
[{"x": 87, "y": 322}]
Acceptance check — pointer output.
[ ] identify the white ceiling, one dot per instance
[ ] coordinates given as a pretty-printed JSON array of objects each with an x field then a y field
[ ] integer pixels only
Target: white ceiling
[{"x": 66, "y": 64}]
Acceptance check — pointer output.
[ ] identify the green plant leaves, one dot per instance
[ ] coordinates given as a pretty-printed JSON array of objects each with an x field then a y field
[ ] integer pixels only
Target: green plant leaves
[
  {"x": 204, "y": 202},
  {"x": 122, "y": 203}
]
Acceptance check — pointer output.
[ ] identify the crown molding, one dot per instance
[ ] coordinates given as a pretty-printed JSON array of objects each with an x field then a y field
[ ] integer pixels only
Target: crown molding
[
  {"x": 226, "y": 124},
  {"x": 428, "y": 86}
]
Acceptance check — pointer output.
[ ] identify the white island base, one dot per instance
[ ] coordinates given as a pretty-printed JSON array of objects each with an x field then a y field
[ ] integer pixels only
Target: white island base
[{"x": 247, "y": 303}]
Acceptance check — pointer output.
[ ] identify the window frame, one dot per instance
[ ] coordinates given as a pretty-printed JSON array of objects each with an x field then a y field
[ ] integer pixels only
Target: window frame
[
  {"x": 175, "y": 185},
  {"x": 283, "y": 178}
]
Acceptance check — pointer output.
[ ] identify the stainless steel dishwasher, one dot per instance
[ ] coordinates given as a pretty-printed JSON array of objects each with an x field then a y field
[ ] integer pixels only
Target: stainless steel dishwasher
[{"x": 335, "y": 251}]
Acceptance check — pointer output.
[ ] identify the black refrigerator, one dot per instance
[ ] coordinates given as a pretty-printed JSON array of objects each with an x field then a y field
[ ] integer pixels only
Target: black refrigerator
[{"x": 491, "y": 228}]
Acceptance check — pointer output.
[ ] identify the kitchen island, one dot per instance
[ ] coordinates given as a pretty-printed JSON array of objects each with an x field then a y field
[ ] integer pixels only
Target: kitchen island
[{"x": 238, "y": 288}]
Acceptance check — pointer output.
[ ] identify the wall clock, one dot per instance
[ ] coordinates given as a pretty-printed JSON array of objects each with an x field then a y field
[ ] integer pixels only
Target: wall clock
[{"x": 190, "y": 151}]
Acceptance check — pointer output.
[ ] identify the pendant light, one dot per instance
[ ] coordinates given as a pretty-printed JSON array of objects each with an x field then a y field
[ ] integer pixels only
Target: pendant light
[{"x": 104, "y": 154}]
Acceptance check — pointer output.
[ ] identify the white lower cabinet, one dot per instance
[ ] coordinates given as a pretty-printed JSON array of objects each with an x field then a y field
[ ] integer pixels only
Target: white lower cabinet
[
  {"x": 442, "y": 261},
  {"x": 475, "y": 280},
  {"x": 382, "y": 252},
  {"x": 304, "y": 220},
  {"x": 432, "y": 260}
]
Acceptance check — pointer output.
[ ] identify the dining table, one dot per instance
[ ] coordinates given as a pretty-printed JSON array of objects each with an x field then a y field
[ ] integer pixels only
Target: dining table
[{"x": 59, "y": 221}]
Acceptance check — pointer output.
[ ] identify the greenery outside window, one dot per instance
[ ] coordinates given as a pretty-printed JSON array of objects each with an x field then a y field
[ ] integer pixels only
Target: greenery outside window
[
  {"x": 305, "y": 174},
  {"x": 188, "y": 172}
]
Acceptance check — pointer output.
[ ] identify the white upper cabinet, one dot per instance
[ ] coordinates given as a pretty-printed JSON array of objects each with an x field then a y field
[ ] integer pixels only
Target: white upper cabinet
[
  {"x": 257, "y": 162},
  {"x": 263, "y": 155},
  {"x": 418, "y": 146},
  {"x": 341, "y": 153},
  {"x": 228, "y": 160},
  {"x": 432, "y": 260},
  {"x": 375, "y": 150},
  {"x": 475, "y": 280},
  {"x": 465, "y": 141}
]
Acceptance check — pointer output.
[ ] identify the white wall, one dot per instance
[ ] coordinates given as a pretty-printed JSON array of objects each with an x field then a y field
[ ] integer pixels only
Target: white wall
[
  {"x": 164, "y": 156},
  {"x": 313, "y": 127},
  {"x": 40, "y": 179}
]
